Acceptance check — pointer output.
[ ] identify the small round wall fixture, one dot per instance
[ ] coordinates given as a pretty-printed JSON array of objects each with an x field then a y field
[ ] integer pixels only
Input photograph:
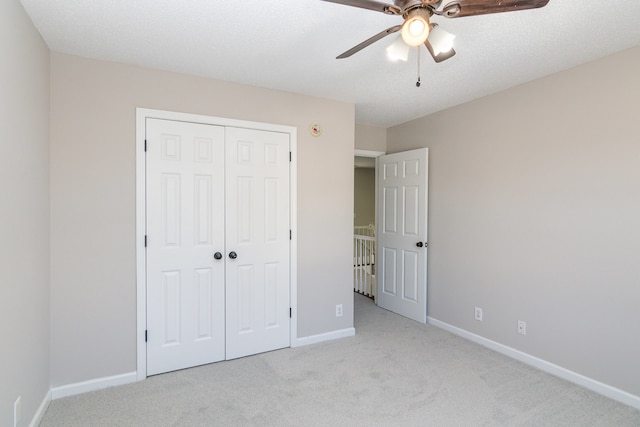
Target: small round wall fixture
[{"x": 315, "y": 129}]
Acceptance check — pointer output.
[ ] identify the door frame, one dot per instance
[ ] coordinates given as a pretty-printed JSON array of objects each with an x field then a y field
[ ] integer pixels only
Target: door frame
[{"x": 141, "y": 274}]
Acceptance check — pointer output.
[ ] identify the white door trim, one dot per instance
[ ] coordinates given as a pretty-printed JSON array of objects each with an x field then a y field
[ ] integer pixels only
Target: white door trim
[
  {"x": 374, "y": 155},
  {"x": 368, "y": 153},
  {"x": 141, "y": 293}
]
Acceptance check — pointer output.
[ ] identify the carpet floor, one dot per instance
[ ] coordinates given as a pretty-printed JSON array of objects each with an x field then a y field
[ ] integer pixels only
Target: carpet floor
[{"x": 394, "y": 372}]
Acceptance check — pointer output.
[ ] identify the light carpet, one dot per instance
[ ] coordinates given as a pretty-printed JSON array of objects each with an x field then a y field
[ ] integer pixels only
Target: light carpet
[{"x": 394, "y": 372}]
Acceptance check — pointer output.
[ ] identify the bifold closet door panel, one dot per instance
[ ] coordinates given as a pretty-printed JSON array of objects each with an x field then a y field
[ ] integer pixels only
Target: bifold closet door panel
[
  {"x": 185, "y": 228},
  {"x": 257, "y": 231}
]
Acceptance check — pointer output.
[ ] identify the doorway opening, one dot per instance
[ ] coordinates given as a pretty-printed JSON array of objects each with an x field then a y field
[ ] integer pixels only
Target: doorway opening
[
  {"x": 395, "y": 273},
  {"x": 364, "y": 223}
]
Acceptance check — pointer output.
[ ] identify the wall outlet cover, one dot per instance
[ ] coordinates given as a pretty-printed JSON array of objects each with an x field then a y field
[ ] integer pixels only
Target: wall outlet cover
[{"x": 522, "y": 327}]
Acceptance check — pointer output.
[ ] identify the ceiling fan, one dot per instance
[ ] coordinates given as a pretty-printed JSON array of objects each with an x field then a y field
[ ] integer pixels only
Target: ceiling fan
[{"x": 416, "y": 28}]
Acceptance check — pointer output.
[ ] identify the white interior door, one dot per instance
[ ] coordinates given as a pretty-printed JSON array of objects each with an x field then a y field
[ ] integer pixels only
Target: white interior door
[
  {"x": 258, "y": 241},
  {"x": 402, "y": 233},
  {"x": 185, "y": 228}
]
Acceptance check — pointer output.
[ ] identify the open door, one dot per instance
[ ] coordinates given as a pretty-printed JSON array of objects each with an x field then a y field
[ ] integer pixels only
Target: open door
[{"x": 402, "y": 233}]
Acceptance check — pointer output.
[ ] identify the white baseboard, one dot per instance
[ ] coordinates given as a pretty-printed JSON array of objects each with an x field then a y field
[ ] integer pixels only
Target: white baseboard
[
  {"x": 333, "y": 335},
  {"x": 37, "y": 418},
  {"x": 92, "y": 385},
  {"x": 116, "y": 380},
  {"x": 558, "y": 371}
]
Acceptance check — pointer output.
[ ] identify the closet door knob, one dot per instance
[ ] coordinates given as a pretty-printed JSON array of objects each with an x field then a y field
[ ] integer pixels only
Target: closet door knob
[
  {"x": 217, "y": 255},
  {"x": 419, "y": 244},
  {"x": 233, "y": 255}
]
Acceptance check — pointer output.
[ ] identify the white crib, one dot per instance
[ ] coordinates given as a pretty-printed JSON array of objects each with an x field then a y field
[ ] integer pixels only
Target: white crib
[
  {"x": 364, "y": 230},
  {"x": 364, "y": 260}
]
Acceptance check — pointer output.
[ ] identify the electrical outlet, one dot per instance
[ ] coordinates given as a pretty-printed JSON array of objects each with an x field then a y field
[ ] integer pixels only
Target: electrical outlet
[
  {"x": 522, "y": 327},
  {"x": 338, "y": 310},
  {"x": 479, "y": 314},
  {"x": 17, "y": 409}
]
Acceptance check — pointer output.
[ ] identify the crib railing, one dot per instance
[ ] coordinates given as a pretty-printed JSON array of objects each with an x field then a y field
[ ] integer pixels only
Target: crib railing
[
  {"x": 364, "y": 230},
  {"x": 364, "y": 265}
]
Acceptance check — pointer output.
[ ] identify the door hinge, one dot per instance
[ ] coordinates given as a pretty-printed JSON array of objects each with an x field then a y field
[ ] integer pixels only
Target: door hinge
[
  {"x": 289, "y": 155},
  {"x": 145, "y": 240},
  {"x": 145, "y": 335},
  {"x": 290, "y": 313},
  {"x": 290, "y": 235},
  {"x": 145, "y": 145}
]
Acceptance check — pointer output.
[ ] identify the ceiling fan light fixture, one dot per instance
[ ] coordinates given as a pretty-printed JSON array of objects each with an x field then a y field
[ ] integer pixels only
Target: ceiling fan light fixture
[
  {"x": 398, "y": 50},
  {"x": 441, "y": 40},
  {"x": 415, "y": 29}
]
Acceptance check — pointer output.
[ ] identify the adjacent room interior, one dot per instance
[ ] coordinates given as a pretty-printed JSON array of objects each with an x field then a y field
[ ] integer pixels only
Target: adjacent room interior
[{"x": 533, "y": 189}]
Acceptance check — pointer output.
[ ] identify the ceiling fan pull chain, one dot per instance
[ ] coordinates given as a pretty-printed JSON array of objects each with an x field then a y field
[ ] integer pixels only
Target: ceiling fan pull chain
[{"x": 418, "y": 82}]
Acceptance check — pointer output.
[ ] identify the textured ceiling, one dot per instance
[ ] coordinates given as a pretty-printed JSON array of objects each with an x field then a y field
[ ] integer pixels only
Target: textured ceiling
[{"x": 291, "y": 45}]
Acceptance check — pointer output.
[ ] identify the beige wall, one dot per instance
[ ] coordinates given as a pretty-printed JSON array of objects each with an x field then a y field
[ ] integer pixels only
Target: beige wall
[
  {"x": 371, "y": 138},
  {"x": 534, "y": 211},
  {"x": 24, "y": 215},
  {"x": 93, "y": 288},
  {"x": 364, "y": 206}
]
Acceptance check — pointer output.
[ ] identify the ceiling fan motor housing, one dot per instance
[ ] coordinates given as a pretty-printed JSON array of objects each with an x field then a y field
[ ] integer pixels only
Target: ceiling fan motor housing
[{"x": 415, "y": 29}]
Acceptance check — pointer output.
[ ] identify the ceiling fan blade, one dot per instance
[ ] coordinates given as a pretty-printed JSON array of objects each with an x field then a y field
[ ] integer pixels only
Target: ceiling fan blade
[
  {"x": 460, "y": 8},
  {"x": 378, "y": 6},
  {"x": 442, "y": 56},
  {"x": 369, "y": 41}
]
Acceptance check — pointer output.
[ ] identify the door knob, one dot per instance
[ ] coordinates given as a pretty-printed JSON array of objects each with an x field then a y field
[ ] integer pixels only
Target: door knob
[
  {"x": 217, "y": 255},
  {"x": 233, "y": 255},
  {"x": 419, "y": 244}
]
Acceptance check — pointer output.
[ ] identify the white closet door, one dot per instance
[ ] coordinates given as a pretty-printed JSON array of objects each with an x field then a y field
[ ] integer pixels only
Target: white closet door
[
  {"x": 402, "y": 233},
  {"x": 185, "y": 227},
  {"x": 257, "y": 202}
]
